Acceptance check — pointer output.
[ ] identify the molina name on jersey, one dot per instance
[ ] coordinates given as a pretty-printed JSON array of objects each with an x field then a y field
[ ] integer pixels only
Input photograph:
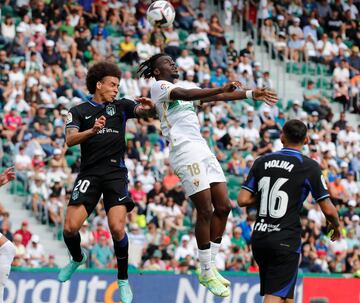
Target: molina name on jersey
[{"x": 281, "y": 182}]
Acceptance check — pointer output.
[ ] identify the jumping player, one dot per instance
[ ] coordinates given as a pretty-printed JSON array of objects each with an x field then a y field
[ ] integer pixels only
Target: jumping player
[
  {"x": 190, "y": 157},
  {"x": 98, "y": 125},
  {"x": 278, "y": 184}
]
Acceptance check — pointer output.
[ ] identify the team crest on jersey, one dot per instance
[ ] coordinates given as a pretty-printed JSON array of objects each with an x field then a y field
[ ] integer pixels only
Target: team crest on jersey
[
  {"x": 111, "y": 109},
  {"x": 164, "y": 86},
  {"x": 69, "y": 118},
  {"x": 196, "y": 182}
]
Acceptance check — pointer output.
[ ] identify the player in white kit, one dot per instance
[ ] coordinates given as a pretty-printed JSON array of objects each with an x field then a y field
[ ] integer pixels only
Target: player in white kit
[
  {"x": 192, "y": 160},
  {"x": 7, "y": 248}
]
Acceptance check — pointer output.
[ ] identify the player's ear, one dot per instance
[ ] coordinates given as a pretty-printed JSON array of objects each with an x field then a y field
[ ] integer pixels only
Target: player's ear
[
  {"x": 282, "y": 138},
  {"x": 98, "y": 85},
  {"x": 306, "y": 141},
  {"x": 156, "y": 72}
]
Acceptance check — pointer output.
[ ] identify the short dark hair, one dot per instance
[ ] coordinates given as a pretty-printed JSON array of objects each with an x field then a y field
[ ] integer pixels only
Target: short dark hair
[
  {"x": 99, "y": 71},
  {"x": 295, "y": 131}
]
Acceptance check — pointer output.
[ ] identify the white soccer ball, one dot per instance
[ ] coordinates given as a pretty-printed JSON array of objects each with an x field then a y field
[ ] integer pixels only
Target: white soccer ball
[{"x": 161, "y": 13}]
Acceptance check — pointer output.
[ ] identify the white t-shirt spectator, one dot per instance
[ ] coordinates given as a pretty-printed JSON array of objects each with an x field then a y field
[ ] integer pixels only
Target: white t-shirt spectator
[
  {"x": 203, "y": 25},
  {"x": 129, "y": 87},
  {"x": 317, "y": 216},
  {"x": 251, "y": 134},
  {"x": 351, "y": 187},
  {"x": 341, "y": 74},
  {"x": 198, "y": 41},
  {"x": 22, "y": 106},
  {"x": 339, "y": 245},
  {"x": 236, "y": 132},
  {"x": 144, "y": 51},
  {"x": 16, "y": 77},
  {"x": 148, "y": 182},
  {"x": 22, "y": 161},
  {"x": 353, "y": 9},
  {"x": 324, "y": 48},
  {"x": 186, "y": 63},
  {"x": 181, "y": 252}
]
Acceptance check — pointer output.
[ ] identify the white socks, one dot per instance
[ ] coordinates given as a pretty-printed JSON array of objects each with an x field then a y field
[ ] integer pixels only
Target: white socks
[
  {"x": 205, "y": 262},
  {"x": 7, "y": 254},
  {"x": 215, "y": 247}
]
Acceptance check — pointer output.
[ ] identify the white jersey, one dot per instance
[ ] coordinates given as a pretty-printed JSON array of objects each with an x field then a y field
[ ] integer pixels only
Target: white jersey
[
  {"x": 190, "y": 156},
  {"x": 178, "y": 120}
]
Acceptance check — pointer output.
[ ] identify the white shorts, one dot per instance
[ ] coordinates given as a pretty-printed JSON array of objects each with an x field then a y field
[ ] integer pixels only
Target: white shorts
[{"x": 197, "y": 175}]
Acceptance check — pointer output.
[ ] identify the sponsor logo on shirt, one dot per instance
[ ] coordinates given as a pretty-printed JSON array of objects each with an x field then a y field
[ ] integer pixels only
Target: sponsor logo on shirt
[
  {"x": 265, "y": 227},
  {"x": 106, "y": 130}
]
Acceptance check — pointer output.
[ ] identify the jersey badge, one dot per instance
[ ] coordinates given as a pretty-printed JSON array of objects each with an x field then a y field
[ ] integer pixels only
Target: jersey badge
[
  {"x": 164, "y": 86},
  {"x": 196, "y": 182},
  {"x": 69, "y": 118},
  {"x": 323, "y": 182},
  {"x": 111, "y": 109}
]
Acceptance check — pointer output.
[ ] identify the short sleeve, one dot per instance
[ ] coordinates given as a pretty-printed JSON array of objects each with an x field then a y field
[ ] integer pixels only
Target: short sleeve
[
  {"x": 318, "y": 186},
  {"x": 129, "y": 108},
  {"x": 73, "y": 119},
  {"x": 160, "y": 91},
  {"x": 251, "y": 184}
]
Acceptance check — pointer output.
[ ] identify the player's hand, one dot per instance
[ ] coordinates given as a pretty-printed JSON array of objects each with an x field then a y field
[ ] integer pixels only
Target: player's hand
[
  {"x": 231, "y": 86},
  {"x": 145, "y": 102},
  {"x": 334, "y": 233},
  {"x": 7, "y": 176},
  {"x": 266, "y": 95},
  {"x": 99, "y": 124}
]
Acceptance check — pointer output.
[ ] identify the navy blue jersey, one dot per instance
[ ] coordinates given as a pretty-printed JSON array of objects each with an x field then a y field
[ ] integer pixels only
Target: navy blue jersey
[
  {"x": 281, "y": 182},
  {"x": 105, "y": 149}
]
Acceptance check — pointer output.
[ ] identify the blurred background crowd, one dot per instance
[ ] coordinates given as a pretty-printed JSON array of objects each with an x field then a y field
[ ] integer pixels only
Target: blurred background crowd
[{"x": 46, "y": 48}]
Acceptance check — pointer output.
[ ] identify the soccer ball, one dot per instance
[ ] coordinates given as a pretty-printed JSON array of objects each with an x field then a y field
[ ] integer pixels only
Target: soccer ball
[{"x": 161, "y": 13}]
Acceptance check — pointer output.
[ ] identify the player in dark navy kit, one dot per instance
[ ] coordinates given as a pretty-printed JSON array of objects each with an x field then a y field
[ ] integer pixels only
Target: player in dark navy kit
[
  {"x": 277, "y": 185},
  {"x": 98, "y": 125}
]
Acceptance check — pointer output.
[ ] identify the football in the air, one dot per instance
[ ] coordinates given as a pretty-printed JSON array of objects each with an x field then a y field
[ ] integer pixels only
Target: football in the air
[{"x": 161, "y": 13}]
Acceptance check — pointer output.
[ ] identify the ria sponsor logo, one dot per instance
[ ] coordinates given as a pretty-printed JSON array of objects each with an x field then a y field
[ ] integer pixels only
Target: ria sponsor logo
[{"x": 265, "y": 227}]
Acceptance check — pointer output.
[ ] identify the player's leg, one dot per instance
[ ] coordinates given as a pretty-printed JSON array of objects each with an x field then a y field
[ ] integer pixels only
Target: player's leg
[
  {"x": 204, "y": 210},
  {"x": 74, "y": 219},
  {"x": 195, "y": 182},
  {"x": 7, "y": 254},
  {"x": 222, "y": 208},
  {"x": 117, "y": 204},
  {"x": 117, "y": 220},
  {"x": 84, "y": 198},
  {"x": 278, "y": 283}
]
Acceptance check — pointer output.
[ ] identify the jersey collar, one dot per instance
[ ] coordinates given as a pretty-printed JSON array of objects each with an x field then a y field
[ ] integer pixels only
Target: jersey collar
[
  {"x": 93, "y": 103},
  {"x": 290, "y": 150}
]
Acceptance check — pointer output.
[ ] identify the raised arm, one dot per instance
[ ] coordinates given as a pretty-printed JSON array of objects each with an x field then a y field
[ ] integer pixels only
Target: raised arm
[
  {"x": 74, "y": 137},
  {"x": 261, "y": 94},
  {"x": 194, "y": 94}
]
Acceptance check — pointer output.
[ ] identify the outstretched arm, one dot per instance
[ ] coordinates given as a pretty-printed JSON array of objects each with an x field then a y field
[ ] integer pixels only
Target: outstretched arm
[
  {"x": 261, "y": 94},
  {"x": 194, "y": 94}
]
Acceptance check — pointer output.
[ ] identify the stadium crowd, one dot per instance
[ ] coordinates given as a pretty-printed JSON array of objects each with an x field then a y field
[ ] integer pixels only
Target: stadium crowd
[{"x": 46, "y": 48}]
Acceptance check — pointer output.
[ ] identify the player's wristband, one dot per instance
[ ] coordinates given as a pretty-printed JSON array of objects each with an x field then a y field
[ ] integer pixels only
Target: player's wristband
[{"x": 249, "y": 94}]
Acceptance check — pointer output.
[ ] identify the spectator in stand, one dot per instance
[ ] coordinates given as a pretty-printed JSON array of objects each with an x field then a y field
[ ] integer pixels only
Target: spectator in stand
[
  {"x": 24, "y": 232},
  {"x": 36, "y": 252},
  {"x": 101, "y": 253},
  {"x": 218, "y": 56}
]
